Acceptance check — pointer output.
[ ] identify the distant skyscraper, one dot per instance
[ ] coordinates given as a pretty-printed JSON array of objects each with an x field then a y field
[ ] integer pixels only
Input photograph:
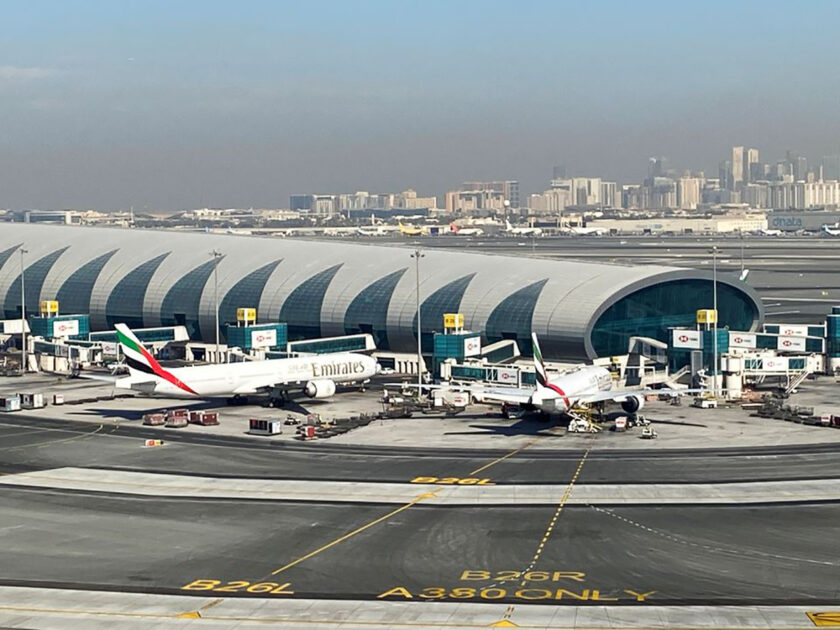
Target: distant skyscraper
[
  {"x": 657, "y": 166},
  {"x": 558, "y": 172},
  {"x": 752, "y": 167},
  {"x": 724, "y": 174},
  {"x": 831, "y": 167},
  {"x": 737, "y": 166}
]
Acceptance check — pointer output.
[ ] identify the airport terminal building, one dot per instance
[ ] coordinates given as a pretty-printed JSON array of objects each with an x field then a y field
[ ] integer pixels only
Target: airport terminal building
[{"x": 580, "y": 310}]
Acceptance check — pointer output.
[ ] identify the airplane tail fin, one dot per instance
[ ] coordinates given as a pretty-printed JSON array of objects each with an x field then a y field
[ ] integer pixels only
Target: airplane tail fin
[
  {"x": 454, "y": 228},
  {"x": 137, "y": 358},
  {"x": 141, "y": 364},
  {"x": 508, "y": 226},
  {"x": 539, "y": 365}
]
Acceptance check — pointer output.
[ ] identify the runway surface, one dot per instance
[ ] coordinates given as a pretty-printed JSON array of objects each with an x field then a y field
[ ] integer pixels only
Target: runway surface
[{"x": 567, "y": 550}]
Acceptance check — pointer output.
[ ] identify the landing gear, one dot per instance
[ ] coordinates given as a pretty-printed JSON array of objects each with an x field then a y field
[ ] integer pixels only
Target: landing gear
[{"x": 278, "y": 398}]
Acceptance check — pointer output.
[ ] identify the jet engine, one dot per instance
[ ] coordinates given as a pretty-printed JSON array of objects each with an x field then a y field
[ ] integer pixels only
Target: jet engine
[
  {"x": 632, "y": 404},
  {"x": 319, "y": 389}
]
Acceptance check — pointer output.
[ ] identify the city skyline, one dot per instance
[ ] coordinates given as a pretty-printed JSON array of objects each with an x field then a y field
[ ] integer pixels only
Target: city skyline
[{"x": 164, "y": 107}]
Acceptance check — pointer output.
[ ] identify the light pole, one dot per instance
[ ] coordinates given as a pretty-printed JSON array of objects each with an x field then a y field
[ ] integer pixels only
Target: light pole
[
  {"x": 216, "y": 256},
  {"x": 417, "y": 255},
  {"x": 23, "y": 311},
  {"x": 715, "y": 309}
]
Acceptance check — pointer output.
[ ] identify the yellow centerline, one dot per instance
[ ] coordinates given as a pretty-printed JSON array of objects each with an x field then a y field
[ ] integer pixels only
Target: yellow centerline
[
  {"x": 553, "y": 522},
  {"x": 402, "y": 508},
  {"x": 503, "y": 457}
]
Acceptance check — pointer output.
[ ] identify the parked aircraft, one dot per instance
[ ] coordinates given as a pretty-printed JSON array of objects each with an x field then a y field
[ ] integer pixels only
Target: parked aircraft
[
  {"x": 410, "y": 230},
  {"x": 522, "y": 231},
  {"x": 316, "y": 375},
  {"x": 462, "y": 231},
  {"x": 831, "y": 230},
  {"x": 560, "y": 394}
]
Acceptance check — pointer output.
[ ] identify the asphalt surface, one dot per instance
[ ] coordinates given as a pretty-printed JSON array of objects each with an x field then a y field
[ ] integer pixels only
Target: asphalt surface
[
  {"x": 727, "y": 554},
  {"x": 26, "y": 445}
]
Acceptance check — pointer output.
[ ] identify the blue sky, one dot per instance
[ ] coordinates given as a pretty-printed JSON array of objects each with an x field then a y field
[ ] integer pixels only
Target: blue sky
[{"x": 169, "y": 105}]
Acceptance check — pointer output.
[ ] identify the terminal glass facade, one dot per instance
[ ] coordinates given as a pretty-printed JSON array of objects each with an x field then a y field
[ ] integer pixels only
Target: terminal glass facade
[
  {"x": 36, "y": 273},
  {"x": 180, "y": 306},
  {"x": 447, "y": 299},
  {"x": 6, "y": 254},
  {"x": 368, "y": 312},
  {"x": 302, "y": 309},
  {"x": 74, "y": 294},
  {"x": 512, "y": 318},
  {"x": 125, "y": 303},
  {"x": 247, "y": 293},
  {"x": 651, "y": 311}
]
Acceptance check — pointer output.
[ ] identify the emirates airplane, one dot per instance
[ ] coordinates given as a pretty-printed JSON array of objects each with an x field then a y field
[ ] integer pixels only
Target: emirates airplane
[
  {"x": 317, "y": 375},
  {"x": 560, "y": 394}
]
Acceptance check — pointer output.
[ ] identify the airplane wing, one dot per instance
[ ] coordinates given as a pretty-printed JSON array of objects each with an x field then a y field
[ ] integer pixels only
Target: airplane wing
[
  {"x": 98, "y": 377},
  {"x": 619, "y": 395},
  {"x": 509, "y": 395}
]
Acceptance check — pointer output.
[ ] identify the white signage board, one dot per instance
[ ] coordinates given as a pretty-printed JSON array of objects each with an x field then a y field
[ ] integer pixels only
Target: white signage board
[
  {"x": 264, "y": 338},
  {"x": 788, "y": 330},
  {"x": 65, "y": 328},
  {"x": 775, "y": 364},
  {"x": 509, "y": 376},
  {"x": 472, "y": 346},
  {"x": 742, "y": 340},
  {"x": 687, "y": 339},
  {"x": 791, "y": 344},
  {"x": 109, "y": 348}
]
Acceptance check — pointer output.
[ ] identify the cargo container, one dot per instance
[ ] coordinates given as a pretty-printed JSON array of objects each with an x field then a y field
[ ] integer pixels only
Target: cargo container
[
  {"x": 177, "y": 418},
  {"x": 10, "y": 403},
  {"x": 32, "y": 401},
  {"x": 205, "y": 418},
  {"x": 265, "y": 427},
  {"x": 154, "y": 419}
]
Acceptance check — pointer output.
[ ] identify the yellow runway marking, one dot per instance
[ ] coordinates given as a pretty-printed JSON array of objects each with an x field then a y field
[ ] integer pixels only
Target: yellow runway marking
[
  {"x": 553, "y": 522},
  {"x": 402, "y": 508},
  {"x": 504, "y": 457},
  {"x": 51, "y": 442}
]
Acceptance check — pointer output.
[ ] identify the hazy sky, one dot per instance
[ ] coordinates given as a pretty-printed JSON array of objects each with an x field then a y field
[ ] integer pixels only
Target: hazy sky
[{"x": 169, "y": 105}]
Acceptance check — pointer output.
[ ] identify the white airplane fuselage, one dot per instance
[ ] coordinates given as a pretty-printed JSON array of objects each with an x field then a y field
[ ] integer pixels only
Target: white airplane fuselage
[
  {"x": 563, "y": 391},
  {"x": 230, "y": 379}
]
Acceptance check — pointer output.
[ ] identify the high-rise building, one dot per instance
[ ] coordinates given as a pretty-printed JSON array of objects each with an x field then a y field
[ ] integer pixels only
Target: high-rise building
[
  {"x": 657, "y": 166},
  {"x": 688, "y": 193},
  {"x": 724, "y": 174},
  {"x": 558, "y": 172},
  {"x": 752, "y": 167},
  {"x": 509, "y": 189},
  {"x": 737, "y": 166},
  {"x": 831, "y": 167}
]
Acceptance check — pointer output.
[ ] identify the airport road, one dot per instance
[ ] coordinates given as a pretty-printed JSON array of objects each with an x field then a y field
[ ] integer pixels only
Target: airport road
[{"x": 44, "y": 444}]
